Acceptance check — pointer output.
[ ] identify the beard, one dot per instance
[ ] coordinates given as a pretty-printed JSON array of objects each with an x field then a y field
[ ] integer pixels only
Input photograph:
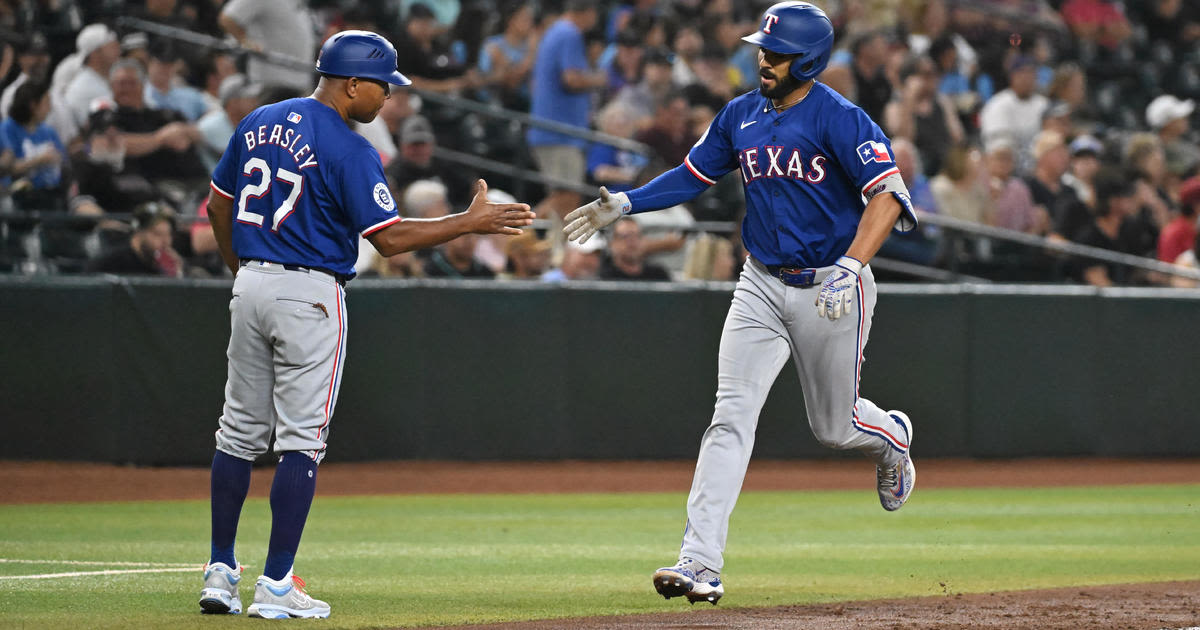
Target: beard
[{"x": 783, "y": 86}]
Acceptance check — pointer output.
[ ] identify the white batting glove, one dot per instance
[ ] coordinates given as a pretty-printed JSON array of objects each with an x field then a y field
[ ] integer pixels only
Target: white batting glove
[
  {"x": 586, "y": 220},
  {"x": 838, "y": 290}
]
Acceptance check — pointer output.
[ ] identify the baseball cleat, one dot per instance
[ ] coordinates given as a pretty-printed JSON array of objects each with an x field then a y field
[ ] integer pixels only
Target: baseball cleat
[
  {"x": 895, "y": 483},
  {"x": 690, "y": 579},
  {"x": 285, "y": 598},
  {"x": 220, "y": 594}
]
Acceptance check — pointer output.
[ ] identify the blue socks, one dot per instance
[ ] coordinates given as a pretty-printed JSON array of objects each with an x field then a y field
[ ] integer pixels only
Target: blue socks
[
  {"x": 291, "y": 496},
  {"x": 230, "y": 483}
]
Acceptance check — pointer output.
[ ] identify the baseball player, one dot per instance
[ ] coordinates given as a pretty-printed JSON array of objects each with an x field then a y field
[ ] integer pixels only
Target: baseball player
[
  {"x": 290, "y": 197},
  {"x": 822, "y": 194}
]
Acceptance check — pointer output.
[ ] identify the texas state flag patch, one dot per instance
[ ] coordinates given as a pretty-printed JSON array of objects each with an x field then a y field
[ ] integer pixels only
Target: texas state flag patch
[
  {"x": 293, "y": 117},
  {"x": 871, "y": 151}
]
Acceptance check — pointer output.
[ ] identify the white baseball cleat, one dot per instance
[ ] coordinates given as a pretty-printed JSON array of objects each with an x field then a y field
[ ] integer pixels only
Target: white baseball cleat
[
  {"x": 895, "y": 483},
  {"x": 220, "y": 594},
  {"x": 285, "y": 598},
  {"x": 690, "y": 579}
]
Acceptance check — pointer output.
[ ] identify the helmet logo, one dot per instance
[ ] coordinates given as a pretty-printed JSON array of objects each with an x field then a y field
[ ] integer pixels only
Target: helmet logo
[{"x": 769, "y": 20}]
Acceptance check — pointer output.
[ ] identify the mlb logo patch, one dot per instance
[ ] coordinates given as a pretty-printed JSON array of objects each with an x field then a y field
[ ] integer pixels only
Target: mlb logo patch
[
  {"x": 293, "y": 117},
  {"x": 871, "y": 151}
]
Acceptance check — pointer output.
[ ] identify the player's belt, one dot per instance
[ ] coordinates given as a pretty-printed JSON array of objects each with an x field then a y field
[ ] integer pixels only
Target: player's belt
[
  {"x": 803, "y": 277},
  {"x": 340, "y": 278}
]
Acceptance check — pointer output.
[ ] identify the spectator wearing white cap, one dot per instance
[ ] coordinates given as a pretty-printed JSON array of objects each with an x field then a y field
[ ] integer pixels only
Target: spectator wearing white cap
[
  {"x": 98, "y": 49},
  {"x": 1170, "y": 118},
  {"x": 580, "y": 262},
  {"x": 1085, "y": 164}
]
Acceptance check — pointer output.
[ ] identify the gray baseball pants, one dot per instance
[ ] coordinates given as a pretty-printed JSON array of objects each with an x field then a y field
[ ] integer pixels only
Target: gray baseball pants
[
  {"x": 286, "y": 351},
  {"x": 769, "y": 322}
]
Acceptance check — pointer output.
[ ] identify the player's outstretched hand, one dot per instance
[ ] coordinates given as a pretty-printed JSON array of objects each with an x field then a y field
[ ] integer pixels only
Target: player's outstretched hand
[
  {"x": 588, "y": 219},
  {"x": 838, "y": 290},
  {"x": 496, "y": 218}
]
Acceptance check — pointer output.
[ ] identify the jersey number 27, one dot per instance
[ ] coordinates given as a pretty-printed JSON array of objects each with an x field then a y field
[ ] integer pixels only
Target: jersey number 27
[{"x": 256, "y": 191}]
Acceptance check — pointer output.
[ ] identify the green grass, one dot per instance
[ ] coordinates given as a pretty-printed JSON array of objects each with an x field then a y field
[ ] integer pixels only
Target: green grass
[{"x": 425, "y": 560}]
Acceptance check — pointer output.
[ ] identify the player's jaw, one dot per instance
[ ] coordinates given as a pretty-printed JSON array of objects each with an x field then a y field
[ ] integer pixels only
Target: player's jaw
[{"x": 775, "y": 88}]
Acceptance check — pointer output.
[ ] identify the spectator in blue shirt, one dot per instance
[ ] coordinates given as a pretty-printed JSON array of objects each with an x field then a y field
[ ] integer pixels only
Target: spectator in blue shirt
[
  {"x": 562, "y": 78},
  {"x": 506, "y": 59},
  {"x": 37, "y": 152},
  {"x": 164, "y": 89}
]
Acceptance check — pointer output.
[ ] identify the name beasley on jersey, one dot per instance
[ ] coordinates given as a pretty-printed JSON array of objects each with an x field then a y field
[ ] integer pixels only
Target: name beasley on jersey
[
  {"x": 286, "y": 138},
  {"x": 768, "y": 161}
]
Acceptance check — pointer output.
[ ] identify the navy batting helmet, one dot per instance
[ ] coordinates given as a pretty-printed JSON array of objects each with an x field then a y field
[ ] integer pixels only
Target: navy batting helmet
[
  {"x": 360, "y": 54},
  {"x": 797, "y": 28}
]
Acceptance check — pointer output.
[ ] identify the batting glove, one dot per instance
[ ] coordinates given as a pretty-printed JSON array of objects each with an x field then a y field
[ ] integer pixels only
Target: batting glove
[
  {"x": 586, "y": 220},
  {"x": 837, "y": 292}
]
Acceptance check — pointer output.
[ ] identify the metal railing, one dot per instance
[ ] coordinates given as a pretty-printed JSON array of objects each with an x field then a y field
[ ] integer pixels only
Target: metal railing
[
  {"x": 949, "y": 224},
  {"x": 467, "y": 105},
  {"x": 980, "y": 230}
]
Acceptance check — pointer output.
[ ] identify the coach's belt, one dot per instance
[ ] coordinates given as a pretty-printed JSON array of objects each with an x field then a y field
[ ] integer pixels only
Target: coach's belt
[
  {"x": 340, "y": 278},
  {"x": 802, "y": 277}
]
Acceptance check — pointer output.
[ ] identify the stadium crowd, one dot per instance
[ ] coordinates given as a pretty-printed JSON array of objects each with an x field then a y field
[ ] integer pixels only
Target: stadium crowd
[{"x": 1066, "y": 119}]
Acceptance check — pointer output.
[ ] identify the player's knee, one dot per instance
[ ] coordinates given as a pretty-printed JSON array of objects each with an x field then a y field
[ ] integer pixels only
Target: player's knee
[
  {"x": 832, "y": 432},
  {"x": 239, "y": 448}
]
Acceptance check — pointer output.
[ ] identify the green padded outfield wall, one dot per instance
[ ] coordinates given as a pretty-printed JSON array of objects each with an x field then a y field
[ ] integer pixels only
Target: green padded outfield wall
[{"x": 123, "y": 370}]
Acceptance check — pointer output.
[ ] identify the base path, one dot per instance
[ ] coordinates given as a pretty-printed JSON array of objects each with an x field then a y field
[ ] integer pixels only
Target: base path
[
  {"x": 53, "y": 482},
  {"x": 1166, "y": 605}
]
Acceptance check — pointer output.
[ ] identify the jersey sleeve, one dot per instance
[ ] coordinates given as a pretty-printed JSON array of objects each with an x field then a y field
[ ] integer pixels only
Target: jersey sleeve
[
  {"x": 865, "y": 155},
  {"x": 712, "y": 156},
  {"x": 364, "y": 191},
  {"x": 861, "y": 148},
  {"x": 225, "y": 173}
]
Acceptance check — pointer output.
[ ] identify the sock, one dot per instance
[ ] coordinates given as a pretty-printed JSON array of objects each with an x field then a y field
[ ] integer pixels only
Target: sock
[
  {"x": 230, "y": 483},
  {"x": 291, "y": 496}
]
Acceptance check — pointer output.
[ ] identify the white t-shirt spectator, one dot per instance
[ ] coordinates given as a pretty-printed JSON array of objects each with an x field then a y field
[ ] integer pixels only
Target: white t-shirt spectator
[
  {"x": 86, "y": 87},
  {"x": 280, "y": 26},
  {"x": 1006, "y": 116}
]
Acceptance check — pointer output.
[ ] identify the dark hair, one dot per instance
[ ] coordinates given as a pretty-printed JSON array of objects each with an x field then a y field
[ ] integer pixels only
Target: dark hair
[
  {"x": 164, "y": 51},
  {"x": 420, "y": 10},
  {"x": 148, "y": 214},
  {"x": 1111, "y": 184},
  {"x": 939, "y": 46},
  {"x": 912, "y": 66},
  {"x": 578, "y": 5},
  {"x": 25, "y": 99},
  {"x": 509, "y": 11},
  {"x": 864, "y": 39}
]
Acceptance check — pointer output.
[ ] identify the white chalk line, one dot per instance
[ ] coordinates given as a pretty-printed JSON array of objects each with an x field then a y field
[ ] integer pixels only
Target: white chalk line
[
  {"x": 96, "y": 563},
  {"x": 46, "y": 576},
  {"x": 147, "y": 567}
]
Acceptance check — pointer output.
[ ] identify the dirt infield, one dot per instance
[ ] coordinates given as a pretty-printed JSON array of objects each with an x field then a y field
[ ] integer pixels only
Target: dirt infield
[{"x": 1150, "y": 606}]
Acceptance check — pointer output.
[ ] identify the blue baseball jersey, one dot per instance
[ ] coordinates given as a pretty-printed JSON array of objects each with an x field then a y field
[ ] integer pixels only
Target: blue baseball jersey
[
  {"x": 304, "y": 186},
  {"x": 806, "y": 171}
]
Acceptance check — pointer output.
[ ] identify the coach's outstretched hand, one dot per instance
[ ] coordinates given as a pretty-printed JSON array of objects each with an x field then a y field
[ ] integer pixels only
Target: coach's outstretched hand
[
  {"x": 496, "y": 218},
  {"x": 586, "y": 220}
]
